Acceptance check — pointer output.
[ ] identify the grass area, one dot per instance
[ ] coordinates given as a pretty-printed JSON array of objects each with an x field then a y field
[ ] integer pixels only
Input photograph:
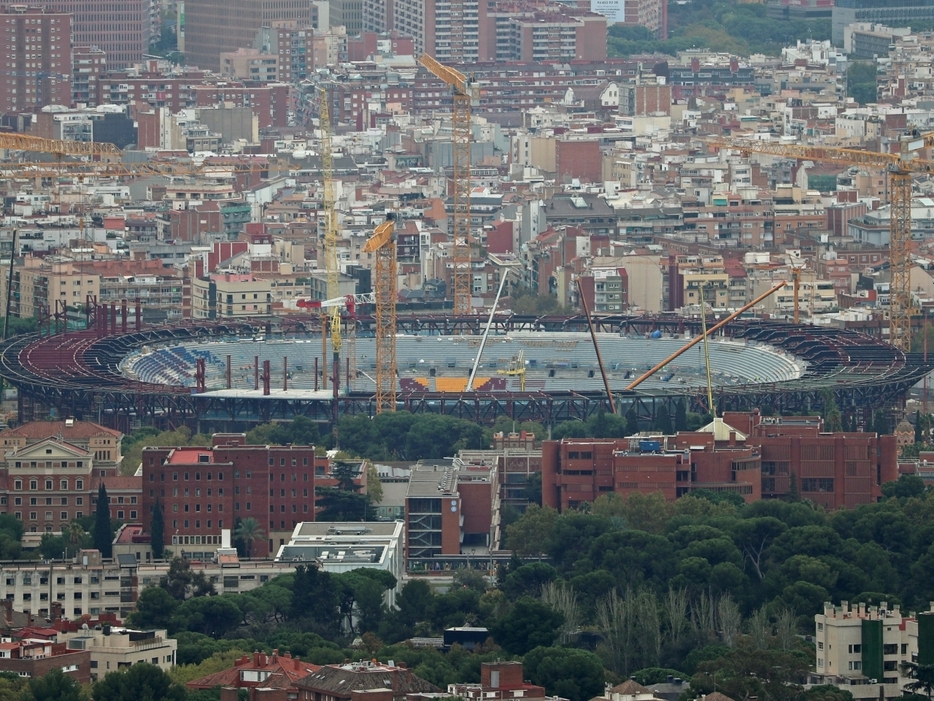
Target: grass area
[{"x": 717, "y": 24}]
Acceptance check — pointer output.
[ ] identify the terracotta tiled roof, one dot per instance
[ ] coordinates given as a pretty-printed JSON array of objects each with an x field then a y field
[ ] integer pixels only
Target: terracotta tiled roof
[
  {"x": 284, "y": 672},
  {"x": 36, "y": 430},
  {"x": 630, "y": 687}
]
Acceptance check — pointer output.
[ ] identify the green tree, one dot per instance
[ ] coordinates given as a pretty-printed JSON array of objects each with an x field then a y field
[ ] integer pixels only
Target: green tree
[
  {"x": 922, "y": 677},
  {"x": 249, "y": 531},
  {"x": 210, "y": 615},
  {"x": 141, "y": 682},
  {"x": 861, "y": 81},
  {"x": 529, "y": 624},
  {"x": 157, "y": 531},
  {"x": 154, "y": 609},
  {"x": 339, "y": 505},
  {"x": 833, "y": 422},
  {"x": 54, "y": 686},
  {"x": 681, "y": 416},
  {"x": 529, "y": 535},
  {"x": 905, "y": 487},
  {"x": 218, "y": 662},
  {"x": 374, "y": 487},
  {"x": 632, "y": 421},
  {"x": 663, "y": 422},
  {"x": 103, "y": 535},
  {"x": 577, "y": 675},
  {"x": 532, "y": 491},
  {"x": 181, "y": 582}
]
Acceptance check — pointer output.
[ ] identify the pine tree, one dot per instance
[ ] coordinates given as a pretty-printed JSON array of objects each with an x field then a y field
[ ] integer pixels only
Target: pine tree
[
  {"x": 681, "y": 416},
  {"x": 157, "y": 531},
  {"x": 103, "y": 535},
  {"x": 663, "y": 422}
]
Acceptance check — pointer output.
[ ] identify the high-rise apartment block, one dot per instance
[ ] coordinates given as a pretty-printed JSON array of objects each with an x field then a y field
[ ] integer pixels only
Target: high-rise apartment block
[
  {"x": 36, "y": 58},
  {"x": 122, "y": 29},
  {"x": 214, "y": 26}
]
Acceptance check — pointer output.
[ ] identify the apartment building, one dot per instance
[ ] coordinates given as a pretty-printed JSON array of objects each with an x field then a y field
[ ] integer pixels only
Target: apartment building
[
  {"x": 39, "y": 283},
  {"x": 35, "y": 58},
  {"x": 159, "y": 289},
  {"x": 203, "y": 491},
  {"x": 89, "y": 64},
  {"x": 116, "y": 648},
  {"x": 229, "y": 295},
  {"x": 90, "y": 585},
  {"x": 215, "y": 26},
  {"x": 860, "y": 648},
  {"x": 122, "y": 31},
  {"x": 51, "y": 471}
]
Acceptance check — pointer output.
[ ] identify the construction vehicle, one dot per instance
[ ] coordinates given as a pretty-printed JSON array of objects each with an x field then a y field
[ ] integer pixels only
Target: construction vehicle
[{"x": 516, "y": 368}]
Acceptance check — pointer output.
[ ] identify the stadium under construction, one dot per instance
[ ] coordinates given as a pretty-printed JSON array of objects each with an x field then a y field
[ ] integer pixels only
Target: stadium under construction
[{"x": 229, "y": 375}]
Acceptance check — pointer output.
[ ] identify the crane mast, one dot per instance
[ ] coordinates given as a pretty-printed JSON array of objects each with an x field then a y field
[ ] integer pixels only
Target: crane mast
[
  {"x": 900, "y": 167},
  {"x": 330, "y": 238},
  {"x": 463, "y": 92},
  {"x": 383, "y": 244}
]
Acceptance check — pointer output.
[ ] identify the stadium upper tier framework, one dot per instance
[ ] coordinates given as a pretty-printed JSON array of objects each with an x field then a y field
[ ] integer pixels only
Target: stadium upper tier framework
[{"x": 174, "y": 375}]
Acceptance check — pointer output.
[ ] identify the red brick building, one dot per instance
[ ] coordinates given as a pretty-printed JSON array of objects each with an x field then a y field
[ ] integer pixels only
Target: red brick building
[
  {"x": 202, "y": 491},
  {"x": 51, "y": 472},
  {"x": 743, "y": 453},
  {"x": 35, "y": 58}
]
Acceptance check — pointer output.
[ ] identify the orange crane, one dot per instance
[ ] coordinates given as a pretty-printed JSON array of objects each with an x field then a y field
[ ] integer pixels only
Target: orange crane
[
  {"x": 383, "y": 244},
  {"x": 464, "y": 92},
  {"x": 900, "y": 168}
]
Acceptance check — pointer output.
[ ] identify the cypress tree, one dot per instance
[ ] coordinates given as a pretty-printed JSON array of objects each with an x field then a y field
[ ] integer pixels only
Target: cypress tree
[
  {"x": 681, "y": 416},
  {"x": 103, "y": 535}
]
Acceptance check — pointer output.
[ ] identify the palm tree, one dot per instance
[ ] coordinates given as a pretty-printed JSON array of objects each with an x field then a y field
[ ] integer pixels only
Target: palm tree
[
  {"x": 249, "y": 531},
  {"x": 75, "y": 534}
]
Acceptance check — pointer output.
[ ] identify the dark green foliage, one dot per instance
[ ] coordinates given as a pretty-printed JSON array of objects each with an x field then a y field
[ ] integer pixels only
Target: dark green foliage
[
  {"x": 299, "y": 431},
  {"x": 681, "y": 416},
  {"x": 154, "y": 609},
  {"x": 861, "y": 81},
  {"x": 403, "y": 436},
  {"x": 533, "y": 488},
  {"x": 209, "y": 615},
  {"x": 529, "y": 624},
  {"x": 922, "y": 678},
  {"x": 157, "y": 531},
  {"x": 248, "y": 531},
  {"x": 905, "y": 487},
  {"x": 656, "y": 675},
  {"x": 182, "y": 582},
  {"x": 740, "y": 29},
  {"x": 103, "y": 535},
  {"x": 338, "y": 505},
  {"x": 54, "y": 686},
  {"x": 141, "y": 682},
  {"x": 572, "y": 674},
  {"x": 663, "y": 423}
]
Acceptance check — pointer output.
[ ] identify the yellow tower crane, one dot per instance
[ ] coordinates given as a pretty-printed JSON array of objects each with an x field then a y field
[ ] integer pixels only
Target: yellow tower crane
[
  {"x": 383, "y": 244},
  {"x": 330, "y": 240},
  {"x": 900, "y": 167},
  {"x": 464, "y": 92}
]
